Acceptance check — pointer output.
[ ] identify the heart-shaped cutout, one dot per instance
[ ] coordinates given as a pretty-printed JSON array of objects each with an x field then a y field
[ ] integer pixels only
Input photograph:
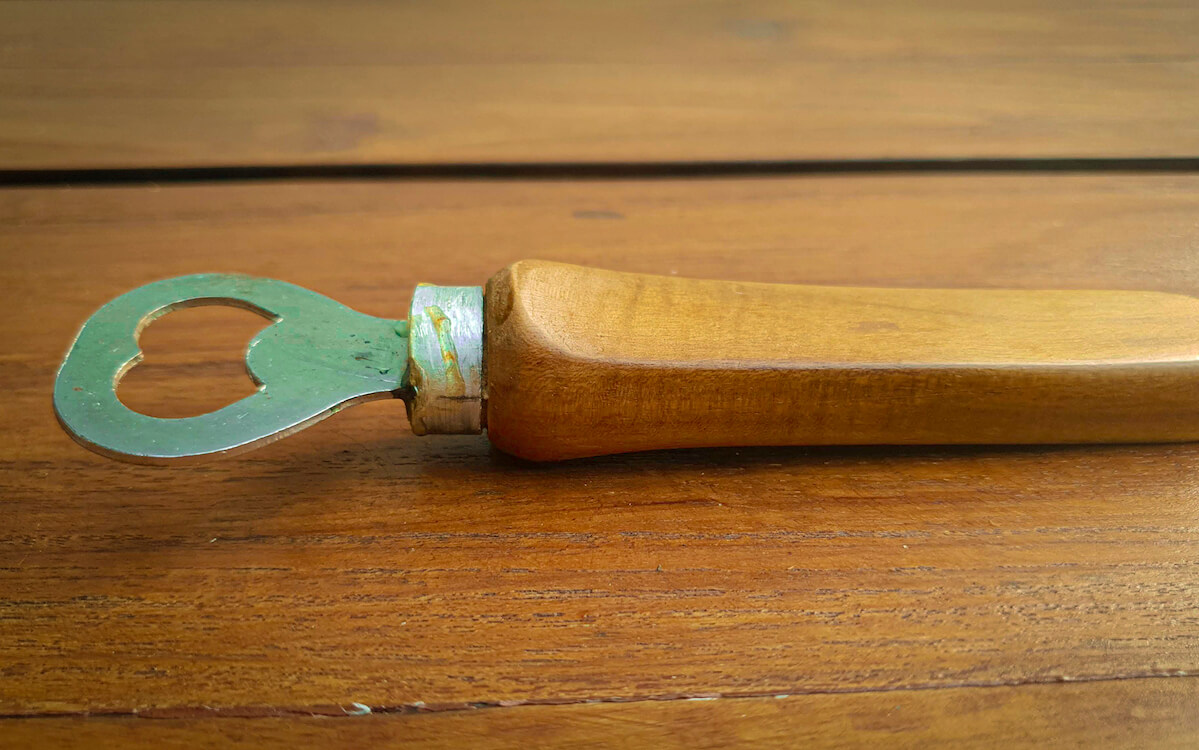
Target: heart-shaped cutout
[
  {"x": 193, "y": 362},
  {"x": 309, "y": 363}
]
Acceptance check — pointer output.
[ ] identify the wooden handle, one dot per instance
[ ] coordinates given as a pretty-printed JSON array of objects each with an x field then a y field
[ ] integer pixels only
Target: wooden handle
[{"x": 583, "y": 362}]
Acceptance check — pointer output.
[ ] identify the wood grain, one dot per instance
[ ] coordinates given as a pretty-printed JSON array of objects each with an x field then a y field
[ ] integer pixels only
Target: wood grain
[
  {"x": 126, "y": 84},
  {"x": 1121, "y": 714},
  {"x": 586, "y": 362},
  {"x": 355, "y": 562}
]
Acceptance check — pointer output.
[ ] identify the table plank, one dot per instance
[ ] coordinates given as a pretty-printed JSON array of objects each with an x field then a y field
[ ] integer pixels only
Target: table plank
[
  {"x": 1123, "y": 714},
  {"x": 355, "y": 562},
  {"x": 174, "y": 84}
]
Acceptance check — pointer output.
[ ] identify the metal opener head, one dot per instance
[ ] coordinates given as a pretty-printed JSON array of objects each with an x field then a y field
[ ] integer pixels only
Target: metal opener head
[{"x": 317, "y": 358}]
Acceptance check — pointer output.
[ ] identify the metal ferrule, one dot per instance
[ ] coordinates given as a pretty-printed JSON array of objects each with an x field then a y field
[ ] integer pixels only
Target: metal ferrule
[{"x": 445, "y": 360}]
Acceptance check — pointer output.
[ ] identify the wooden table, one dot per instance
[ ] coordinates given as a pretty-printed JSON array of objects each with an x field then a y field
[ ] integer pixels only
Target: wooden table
[{"x": 357, "y": 585}]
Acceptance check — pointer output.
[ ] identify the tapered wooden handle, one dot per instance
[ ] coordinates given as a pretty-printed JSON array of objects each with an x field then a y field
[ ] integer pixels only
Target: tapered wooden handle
[{"x": 583, "y": 362}]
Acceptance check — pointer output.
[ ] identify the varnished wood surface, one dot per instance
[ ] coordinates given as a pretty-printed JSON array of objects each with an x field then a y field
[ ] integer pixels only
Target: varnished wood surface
[
  {"x": 1119, "y": 714},
  {"x": 127, "y": 84},
  {"x": 356, "y": 563},
  {"x": 587, "y": 361}
]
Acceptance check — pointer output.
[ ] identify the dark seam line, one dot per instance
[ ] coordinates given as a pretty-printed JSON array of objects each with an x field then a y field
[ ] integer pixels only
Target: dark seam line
[
  {"x": 355, "y": 710},
  {"x": 587, "y": 170}
]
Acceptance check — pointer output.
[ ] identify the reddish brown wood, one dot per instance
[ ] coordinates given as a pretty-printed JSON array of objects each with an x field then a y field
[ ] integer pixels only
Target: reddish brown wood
[
  {"x": 1119, "y": 714},
  {"x": 108, "y": 84},
  {"x": 358, "y": 563}
]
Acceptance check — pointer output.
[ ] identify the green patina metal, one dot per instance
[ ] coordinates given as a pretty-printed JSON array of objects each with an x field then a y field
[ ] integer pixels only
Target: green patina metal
[
  {"x": 316, "y": 358},
  {"x": 445, "y": 359},
  {"x": 452, "y": 370}
]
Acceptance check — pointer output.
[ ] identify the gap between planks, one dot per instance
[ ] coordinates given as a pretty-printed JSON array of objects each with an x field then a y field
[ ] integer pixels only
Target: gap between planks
[
  {"x": 591, "y": 170},
  {"x": 355, "y": 709}
]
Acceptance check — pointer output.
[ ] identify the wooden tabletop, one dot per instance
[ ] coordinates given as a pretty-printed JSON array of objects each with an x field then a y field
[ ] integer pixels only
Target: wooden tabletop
[
  {"x": 122, "y": 83},
  {"x": 358, "y": 585}
]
